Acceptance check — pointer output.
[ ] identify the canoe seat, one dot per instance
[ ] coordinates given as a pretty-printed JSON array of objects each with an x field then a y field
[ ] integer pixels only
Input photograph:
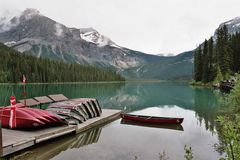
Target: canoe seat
[
  {"x": 29, "y": 102},
  {"x": 43, "y": 99},
  {"x": 58, "y": 97}
]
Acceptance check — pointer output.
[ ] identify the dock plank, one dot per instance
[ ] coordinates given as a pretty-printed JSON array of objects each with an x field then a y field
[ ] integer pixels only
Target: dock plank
[{"x": 15, "y": 140}]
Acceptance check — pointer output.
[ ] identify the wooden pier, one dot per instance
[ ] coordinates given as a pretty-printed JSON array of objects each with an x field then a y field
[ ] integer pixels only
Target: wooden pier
[{"x": 15, "y": 140}]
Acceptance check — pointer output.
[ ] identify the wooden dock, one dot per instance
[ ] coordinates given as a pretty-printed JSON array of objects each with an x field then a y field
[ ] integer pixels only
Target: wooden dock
[{"x": 16, "y": 140}]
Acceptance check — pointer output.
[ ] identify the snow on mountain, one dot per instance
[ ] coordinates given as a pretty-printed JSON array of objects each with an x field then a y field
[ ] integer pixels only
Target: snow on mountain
[
  {"x": 59, "y": 29},
  {"x": 92, "y": 36},
  {"x": 233, "y": 26},
  {"x": 41, "y": 36},
  {"x": 10, "y": 43}
]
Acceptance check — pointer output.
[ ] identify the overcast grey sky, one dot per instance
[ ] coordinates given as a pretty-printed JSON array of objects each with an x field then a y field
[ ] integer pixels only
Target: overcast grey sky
[{"x": 151, "y": 26}]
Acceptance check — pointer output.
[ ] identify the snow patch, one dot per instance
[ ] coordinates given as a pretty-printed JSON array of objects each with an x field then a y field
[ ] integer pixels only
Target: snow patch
[
  {"x": 58, "y": 29},
  {"x": 91, "y": 35},
  {"x": 10, "y": 43},
  {"x": 39, "y": 52},
  {"x": 229, "y": 22}
]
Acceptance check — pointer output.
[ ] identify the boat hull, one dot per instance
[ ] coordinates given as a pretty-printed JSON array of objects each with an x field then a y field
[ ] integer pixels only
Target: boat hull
[
  {"x": 151, "y": 119},
  {"x": 153, "y": 125},
  {"x": 24, "y": 120}
]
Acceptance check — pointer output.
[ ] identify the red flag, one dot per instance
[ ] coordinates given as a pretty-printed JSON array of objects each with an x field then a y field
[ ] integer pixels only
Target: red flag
[
  {"x": 24, "y": 79},
  {"x": 12, "y": 100}
]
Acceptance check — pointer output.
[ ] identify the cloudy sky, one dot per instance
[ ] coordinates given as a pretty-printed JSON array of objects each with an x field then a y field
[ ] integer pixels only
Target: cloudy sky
[{"x": 151, "y": 26}]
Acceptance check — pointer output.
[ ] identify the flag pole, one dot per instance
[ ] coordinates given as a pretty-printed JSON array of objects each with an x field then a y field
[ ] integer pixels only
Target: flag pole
[
  {"x": 25, "y": 94},
  {"x": 24, "y": 90}
]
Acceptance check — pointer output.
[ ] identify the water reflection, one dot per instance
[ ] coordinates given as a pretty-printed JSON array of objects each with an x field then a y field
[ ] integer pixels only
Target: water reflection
[
  {"x": 56, "y": 147},
  {"x": 206, "y": 107},
  {"x": 132, "y": 96},
  {"x": 198, "y": 106},
  {"x": 74, "y": 90},
  {"x": 137, "y": 96},
  {"x": 119, "y": 141}
]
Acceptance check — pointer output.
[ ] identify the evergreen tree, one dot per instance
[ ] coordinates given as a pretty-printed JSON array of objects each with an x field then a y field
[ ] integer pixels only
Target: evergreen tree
[
  {"x": 235, "y": 46},
  {"x": 205, "y": 71},
  {"x": 223, "y": 50},
  {"x": 211, "y": 65},
  {"x": 14, "y": 64},
  {"x": 218, "y": 60},
  {"x": 198, "y": 64}
]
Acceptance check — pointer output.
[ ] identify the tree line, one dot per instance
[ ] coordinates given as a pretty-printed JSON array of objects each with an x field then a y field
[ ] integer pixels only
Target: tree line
[
  {"x": 218, "y": 57},
  {"x": 13, "y": 65}
]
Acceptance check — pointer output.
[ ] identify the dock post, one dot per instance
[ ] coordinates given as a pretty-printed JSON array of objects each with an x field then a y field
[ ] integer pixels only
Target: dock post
[{"x": 1, "y": 144}]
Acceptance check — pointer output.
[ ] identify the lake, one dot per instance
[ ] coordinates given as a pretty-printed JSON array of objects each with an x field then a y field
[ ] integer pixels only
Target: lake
[{"x": 119, "y": 140}]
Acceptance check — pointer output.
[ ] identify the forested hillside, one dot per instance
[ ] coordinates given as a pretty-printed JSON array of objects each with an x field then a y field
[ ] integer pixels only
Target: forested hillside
[
  {"x": 47, "y": 38},
  {"x": 217, "y": 59},
  {"x": 14, "y": 64}
]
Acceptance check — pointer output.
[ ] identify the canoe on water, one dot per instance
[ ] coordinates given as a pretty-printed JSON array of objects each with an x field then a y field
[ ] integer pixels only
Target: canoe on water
[
  {"x": 152, "y": 119},
  {"x": 178, "y": 127}
]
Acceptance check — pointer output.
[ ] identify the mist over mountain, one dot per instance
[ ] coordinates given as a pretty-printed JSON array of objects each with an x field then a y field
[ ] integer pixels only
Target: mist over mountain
[{"x": 41, "y": 36}]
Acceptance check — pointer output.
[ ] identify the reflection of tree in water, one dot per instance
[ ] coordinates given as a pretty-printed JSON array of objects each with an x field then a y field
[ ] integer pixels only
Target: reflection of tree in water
[
  {"x": 206, "y": 107},
  {"x": 74, "y": 90},
  {"x": 55, "y": 147},
  {"x": 136, "y": 96}
]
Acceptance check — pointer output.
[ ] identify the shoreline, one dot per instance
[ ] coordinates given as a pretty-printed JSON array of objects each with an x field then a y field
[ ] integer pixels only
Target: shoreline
[{"x": 92, "y": 82}]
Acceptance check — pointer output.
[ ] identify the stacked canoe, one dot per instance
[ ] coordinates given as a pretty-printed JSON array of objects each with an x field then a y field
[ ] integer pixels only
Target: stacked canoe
[
  {"x": 60, "y": 111},
  {"x": 21, "y": 117},
  {"x": 76, "y": 111}
]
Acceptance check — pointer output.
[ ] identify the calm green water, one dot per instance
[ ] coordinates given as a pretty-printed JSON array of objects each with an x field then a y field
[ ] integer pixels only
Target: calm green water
[{"x": 118, "y": 140}]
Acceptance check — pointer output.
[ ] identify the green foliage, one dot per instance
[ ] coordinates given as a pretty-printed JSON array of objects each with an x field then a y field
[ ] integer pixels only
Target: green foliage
[
  {"x": 234, "y": 42},
  {"x": 163, "y": 156},
  {"x": 219, "y": 76},
  {"x": 230, "y": 132},
  {"x": 230, "y": 124},
  {"x": 219, "y": 60},
  {"x": 223, "y": 50},
  {"x": 14, "y": 64},
  {"x": 232, "y": 100},
  {"x": 198, "y": 63},
  {"x": 206, "y": 69},
  {"x": 188, "y": 153}
]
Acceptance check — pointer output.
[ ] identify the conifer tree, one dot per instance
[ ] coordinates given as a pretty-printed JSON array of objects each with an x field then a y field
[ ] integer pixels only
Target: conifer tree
[
  {"x": 14, "y": 64},
  {"x": 211, "y": 72},
  {"x": 223, "y": 50},
  {"x": 198, "y": 64},
  {"x": 205, "y": 71}
]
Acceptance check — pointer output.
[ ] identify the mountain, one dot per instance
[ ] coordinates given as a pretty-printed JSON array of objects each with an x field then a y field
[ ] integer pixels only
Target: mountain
[
  {"x": 41, "y": 36},
  {"x": 14, "y": 65},
  {"x": 233, "y": 26}
]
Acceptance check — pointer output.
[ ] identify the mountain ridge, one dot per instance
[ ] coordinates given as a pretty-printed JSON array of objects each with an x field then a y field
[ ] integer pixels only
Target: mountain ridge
[{"x": 41, "y": 36}]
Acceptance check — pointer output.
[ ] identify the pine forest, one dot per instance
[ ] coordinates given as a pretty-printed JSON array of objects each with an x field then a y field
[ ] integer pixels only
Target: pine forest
[{"x": 39, "y": 70}]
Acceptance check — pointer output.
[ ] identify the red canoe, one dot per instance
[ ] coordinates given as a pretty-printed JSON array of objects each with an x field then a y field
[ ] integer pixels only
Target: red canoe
[
  {"x": 23, "y": 120},
  {"x": 28, "y": 118},
  {"x": 151, "y": 119}
]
